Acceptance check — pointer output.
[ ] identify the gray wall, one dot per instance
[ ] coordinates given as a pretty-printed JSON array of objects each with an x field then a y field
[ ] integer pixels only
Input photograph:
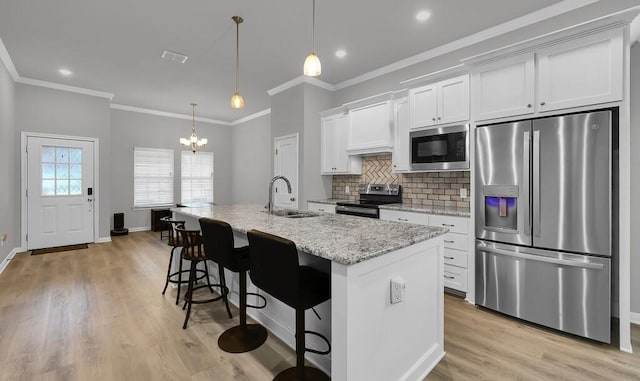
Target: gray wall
[
  {"x": 251, "y": 161},
  {"x": 635, "y": 178},
  {"x": 44, "y": 110},
  {"x": 316, "y": 186},
  {"x": 9, "y": 166},
  {"x": 130, "y": 129}
]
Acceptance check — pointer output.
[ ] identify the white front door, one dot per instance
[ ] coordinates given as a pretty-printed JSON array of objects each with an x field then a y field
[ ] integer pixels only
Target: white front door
[
  {"x": 286, "y": 164},
  {"x": 60, "y": 194}
]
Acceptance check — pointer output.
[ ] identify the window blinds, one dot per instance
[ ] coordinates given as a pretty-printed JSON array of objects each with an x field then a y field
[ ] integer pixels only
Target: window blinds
[
  {"x": 153, "y": 177},
  {"x": 197, "y": 177}
]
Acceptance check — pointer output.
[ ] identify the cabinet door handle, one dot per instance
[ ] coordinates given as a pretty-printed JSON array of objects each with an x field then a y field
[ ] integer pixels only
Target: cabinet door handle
[
  {"x": 403, "y": 219},
  {"x": 448, "y": 225},
  {"x": 448, "y": 241},
  {"x": 529, "y": 105},
  {"x": 292, "y": 199},
  {"x": 320, "y": 210},
  {"x": 449, "y": 277},
  {"x": 543, "y": 103},
  {"x": 434, "y": 119},
  {"x": 449, "y": 258},
  {"x": 439, "y": 118}
]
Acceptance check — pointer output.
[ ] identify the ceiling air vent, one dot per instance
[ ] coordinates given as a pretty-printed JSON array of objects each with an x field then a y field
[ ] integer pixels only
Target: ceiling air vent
[{"x": 175, "y": 57}]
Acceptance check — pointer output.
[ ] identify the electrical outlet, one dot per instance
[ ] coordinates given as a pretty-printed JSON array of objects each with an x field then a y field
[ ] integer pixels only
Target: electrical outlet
[
  {"x": 347, "y": 190},
  {"x": 398, "y": 290},
  {"x": 463, "y": 193}
]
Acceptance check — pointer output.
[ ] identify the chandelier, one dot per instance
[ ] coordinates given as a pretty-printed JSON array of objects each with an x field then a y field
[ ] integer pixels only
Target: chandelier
[{"x": 193, "y": 142}]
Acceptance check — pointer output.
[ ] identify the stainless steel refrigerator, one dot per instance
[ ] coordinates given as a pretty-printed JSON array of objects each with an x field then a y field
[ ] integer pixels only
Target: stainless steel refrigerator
[{"x": 544, "y": 207}]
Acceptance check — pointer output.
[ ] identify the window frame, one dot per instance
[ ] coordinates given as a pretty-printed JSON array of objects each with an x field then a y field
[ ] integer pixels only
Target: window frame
[{"x": 184, "y": 154}]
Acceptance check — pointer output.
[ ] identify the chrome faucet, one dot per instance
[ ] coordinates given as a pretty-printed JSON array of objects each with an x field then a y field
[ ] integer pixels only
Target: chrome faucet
[{"x": 273, "y": 180}]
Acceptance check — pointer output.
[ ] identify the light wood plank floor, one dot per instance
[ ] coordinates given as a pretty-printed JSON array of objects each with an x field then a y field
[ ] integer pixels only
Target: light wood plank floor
[{"x": 98, "y": 314}]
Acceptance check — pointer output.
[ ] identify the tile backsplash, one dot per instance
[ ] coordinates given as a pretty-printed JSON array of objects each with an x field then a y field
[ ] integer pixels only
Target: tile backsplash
[{"x": 424, "y": 188}]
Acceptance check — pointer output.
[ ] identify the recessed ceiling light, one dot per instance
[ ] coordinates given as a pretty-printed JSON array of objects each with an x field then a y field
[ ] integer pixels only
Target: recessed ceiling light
[
  {"x": 340, "y": 53},
  {"x": 65, "y": 72},
  {"x": 423, "y": 16}
]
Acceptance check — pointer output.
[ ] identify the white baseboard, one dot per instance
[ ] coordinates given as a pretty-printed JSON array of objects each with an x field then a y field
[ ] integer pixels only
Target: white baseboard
[
  {"x": 635, "y": 318},
  {"x": 140, "y": 229},
  {"x": 425, "y": 364},
  {"x": 104, "y": 240},
  {"x": 9, "y": 257}
]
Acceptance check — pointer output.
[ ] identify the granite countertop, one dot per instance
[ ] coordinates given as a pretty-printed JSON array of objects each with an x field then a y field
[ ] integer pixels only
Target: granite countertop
[
  {"x": 340, "y": 238},
  {"x": 331, "y": 201},
  {"x": 419, "y": 208}
]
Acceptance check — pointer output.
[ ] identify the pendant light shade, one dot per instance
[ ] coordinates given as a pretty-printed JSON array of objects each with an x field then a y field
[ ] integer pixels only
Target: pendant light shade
[
  {"x": 312, "y": 67},
  {"x": 236, "y": 99},
  {"x": 193, "y": 142}
]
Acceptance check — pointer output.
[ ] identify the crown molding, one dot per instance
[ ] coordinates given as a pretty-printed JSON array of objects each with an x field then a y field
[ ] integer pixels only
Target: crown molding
[
  {"x": 634, "y": 30},
  {"x": 440, "y": 74},
  {"x": 506, "y": 27},
  {"x": 149, "y": 111},
  {"x": 59, "y": 86},
  {"x": 8, "y": 63},
  {"x": 251, "y": 117},
  {"x": 298, "y": 80}
]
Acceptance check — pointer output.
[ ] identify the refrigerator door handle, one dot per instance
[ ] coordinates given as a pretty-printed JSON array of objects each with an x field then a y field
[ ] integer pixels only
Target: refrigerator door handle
[
  {"x": 525, "y": 180},
  {"x": 539, "y": 258},
  {"x": 536, "y": 183}
]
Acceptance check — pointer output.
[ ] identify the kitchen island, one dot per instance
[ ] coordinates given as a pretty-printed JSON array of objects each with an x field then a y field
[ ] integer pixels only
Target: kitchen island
[{"x": 371, "y": 338}]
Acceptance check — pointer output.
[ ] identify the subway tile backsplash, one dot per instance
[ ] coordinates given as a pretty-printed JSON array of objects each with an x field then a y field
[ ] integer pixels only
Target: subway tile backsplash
[{"x": 424, "y": 188}]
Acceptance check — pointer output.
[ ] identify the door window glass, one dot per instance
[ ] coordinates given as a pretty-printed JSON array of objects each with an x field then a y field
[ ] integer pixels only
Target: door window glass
[{"x": 61, "y": 171}]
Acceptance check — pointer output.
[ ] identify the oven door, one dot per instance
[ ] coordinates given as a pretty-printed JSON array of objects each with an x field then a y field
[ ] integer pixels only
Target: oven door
[
  {"x": 440, "y": 148},
  {"x": 357, "y": 211}
]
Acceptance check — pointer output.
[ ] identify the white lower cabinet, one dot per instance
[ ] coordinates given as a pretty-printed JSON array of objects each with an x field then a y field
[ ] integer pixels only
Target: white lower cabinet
[
  {"x": 320, "y": 207},
  {"x": 455, "y": 242}
]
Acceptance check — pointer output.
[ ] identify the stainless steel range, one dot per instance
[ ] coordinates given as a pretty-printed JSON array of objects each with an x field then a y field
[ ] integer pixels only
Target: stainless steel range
[{"x": 371, "y": 196}]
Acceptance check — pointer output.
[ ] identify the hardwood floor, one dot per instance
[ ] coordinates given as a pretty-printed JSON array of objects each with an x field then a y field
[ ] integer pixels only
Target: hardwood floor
[{"x": 98, "y": 314}]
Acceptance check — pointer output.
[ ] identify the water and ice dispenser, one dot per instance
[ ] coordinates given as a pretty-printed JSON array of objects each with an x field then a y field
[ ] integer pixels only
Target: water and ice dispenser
[{"x": 501, "y": 207}]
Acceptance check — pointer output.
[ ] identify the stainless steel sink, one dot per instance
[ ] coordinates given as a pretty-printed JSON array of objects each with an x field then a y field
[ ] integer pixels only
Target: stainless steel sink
[{"x": 293, "y": 213}]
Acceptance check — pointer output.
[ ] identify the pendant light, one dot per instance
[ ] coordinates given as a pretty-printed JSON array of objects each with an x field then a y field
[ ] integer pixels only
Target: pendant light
[
  {"x": 236, "y": 99},
  {"x": 312, "y": 67},
  {"x": 193, "y": 142}
]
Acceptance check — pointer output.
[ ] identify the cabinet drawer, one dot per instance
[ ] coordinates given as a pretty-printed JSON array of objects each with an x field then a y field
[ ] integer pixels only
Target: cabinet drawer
[
  {"x": 454, "y": 224},
  {"x": 395, "y": 215},
  {"x": 455, "y": 257},
  {"x": 318, "y": 207},
  {"x": 455, "y": 278},
  {"x": 455, "y": 241}
]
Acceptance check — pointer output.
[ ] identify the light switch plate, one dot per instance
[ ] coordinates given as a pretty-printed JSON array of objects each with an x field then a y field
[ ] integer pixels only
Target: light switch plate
[
  {"x": 347, "y": 190},
  {"x": 463, "y": 193}
]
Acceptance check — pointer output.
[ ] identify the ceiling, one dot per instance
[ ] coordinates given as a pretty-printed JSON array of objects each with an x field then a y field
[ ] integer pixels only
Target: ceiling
[{"x": 115, "y": 46}]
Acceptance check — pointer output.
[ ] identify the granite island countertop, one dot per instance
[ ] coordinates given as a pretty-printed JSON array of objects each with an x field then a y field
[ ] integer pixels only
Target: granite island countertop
[
  {"x": 340, "y": 238},
  {"x": 428, "y": 209}
]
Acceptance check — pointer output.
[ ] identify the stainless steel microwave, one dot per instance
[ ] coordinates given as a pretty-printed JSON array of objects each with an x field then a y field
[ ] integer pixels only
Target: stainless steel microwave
[{"x": 440, "y": 148}]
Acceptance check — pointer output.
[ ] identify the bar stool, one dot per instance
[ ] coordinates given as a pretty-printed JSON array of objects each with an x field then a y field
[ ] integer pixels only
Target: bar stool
[
  {"x": 175, "y": 242},
  {"x": 274, "y": 267},
  {"x": 217, "y": 238},
  {"x": 192, "y": 251}
]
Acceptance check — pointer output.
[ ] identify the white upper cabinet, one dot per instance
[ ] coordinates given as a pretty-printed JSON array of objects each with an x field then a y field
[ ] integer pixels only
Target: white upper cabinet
[
  {"x": 504, "y": 88},
  {"x": 582, "y": 72},
  {"x": 439, "y": 103},
  {"x": 453, "y": 100},
  {"x": 424, "y": 106},
  {"x": 400, "y": 157},
  {"x": 334, "y": 132},
  {"x": 371, "y": 129},
  {"x": 551, "y": 73}
]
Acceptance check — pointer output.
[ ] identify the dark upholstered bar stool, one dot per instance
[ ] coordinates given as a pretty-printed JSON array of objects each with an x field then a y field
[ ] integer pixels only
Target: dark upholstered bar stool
[
  {"x": 192, "y": 251},
  {"x": 274, "y": 267},
  {"x": 217, "y": 238}
]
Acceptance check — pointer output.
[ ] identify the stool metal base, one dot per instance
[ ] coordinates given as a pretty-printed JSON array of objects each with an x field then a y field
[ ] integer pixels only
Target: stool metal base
[
  {"x": 241, "y": 339},
  {"x": 310, "y": 374}
]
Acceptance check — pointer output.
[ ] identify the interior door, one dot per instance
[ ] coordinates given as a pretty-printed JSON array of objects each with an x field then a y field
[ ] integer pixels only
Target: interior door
[
  {"x": 60, "y": 194},
  {"x": 286, "y": 164}
]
